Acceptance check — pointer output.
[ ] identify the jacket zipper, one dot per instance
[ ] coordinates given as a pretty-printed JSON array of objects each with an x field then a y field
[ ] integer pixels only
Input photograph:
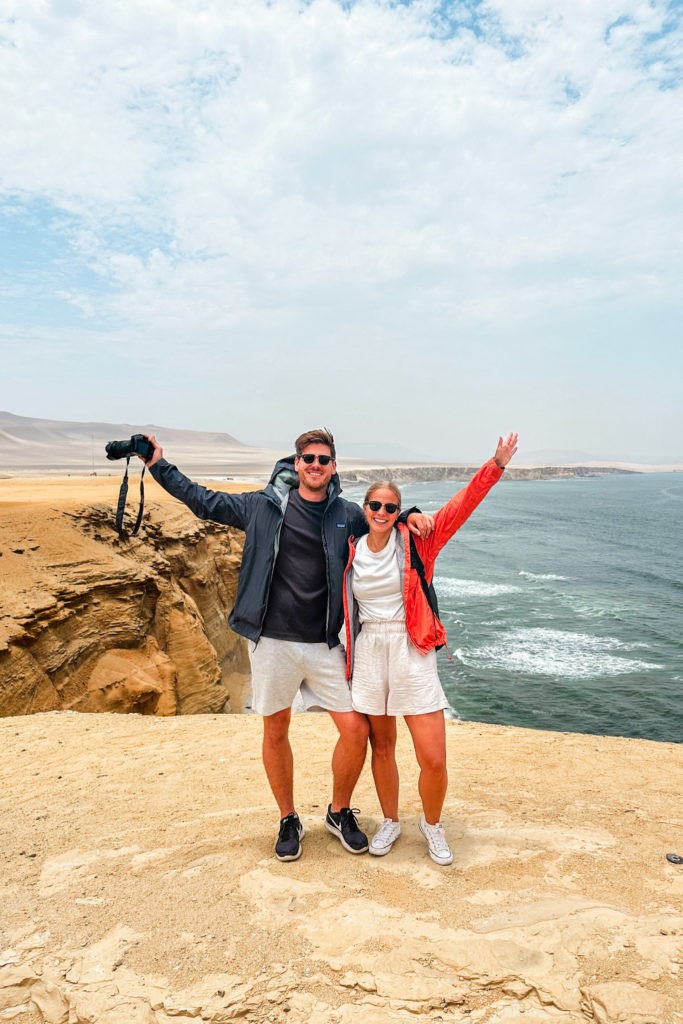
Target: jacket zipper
[{"x": 276, "y": 547}]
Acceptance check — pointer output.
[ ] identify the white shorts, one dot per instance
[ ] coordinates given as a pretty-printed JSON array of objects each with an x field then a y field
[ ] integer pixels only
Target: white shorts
[
  {"x": 390, "y": 676},
  {"x": 282, "y": 668}
]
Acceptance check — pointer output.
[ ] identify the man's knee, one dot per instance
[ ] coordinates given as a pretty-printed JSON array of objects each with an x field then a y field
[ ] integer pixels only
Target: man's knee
[
  {"x": 276, "y": 727},
  {"x": 353, "y": 728}
]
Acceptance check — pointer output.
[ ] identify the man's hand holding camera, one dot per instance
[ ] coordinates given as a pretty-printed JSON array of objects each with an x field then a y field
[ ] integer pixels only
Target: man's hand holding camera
[{"x": 158, "y": 451}]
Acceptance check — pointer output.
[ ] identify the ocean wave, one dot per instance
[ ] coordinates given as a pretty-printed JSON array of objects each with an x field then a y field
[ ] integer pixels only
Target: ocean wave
[
  {"x": 541, "y": 575},
  {"x": 617, "y": 610},
  {"x": 551, "y": 652},
  {"x": 449, "y": 587}
]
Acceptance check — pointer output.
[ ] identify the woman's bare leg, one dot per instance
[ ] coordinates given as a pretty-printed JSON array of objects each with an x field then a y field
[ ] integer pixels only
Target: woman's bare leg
[
  {"x": 384, "y": 769},
  {"x": 429, "y": 739}
]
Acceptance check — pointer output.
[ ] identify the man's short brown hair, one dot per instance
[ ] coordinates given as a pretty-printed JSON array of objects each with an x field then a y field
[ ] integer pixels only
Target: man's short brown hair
[{"x": 319, "y": 436}]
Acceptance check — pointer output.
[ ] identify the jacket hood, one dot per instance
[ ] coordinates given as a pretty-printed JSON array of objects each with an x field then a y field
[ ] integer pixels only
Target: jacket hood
[{"x": 284, "y": 477}]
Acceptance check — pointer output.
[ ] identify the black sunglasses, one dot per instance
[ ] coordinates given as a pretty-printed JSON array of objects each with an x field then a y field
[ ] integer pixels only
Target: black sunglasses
[
  {"x": 309, "y": 459},
  {"x": 390, "y": 506}
]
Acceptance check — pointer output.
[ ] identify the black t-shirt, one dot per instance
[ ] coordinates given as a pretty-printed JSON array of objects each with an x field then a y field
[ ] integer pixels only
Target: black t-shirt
[{"x": 297, "y": 604}]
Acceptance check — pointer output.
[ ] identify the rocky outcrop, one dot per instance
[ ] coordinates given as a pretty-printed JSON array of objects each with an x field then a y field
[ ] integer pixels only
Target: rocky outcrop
[
  {"x": 403, "y": 474},
  {"x": 90, "y": 622}
]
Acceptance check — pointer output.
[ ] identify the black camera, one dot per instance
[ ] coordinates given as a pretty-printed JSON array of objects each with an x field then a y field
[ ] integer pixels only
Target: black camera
[{"x": 137, "y": 445}]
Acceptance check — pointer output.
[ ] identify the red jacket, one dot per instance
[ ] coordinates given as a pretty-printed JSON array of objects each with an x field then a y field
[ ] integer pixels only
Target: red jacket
[{"x": 424, "y": 628}]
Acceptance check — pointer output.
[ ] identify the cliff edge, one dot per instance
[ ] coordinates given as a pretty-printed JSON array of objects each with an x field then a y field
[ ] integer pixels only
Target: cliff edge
[{"x": 90, "y": 622}]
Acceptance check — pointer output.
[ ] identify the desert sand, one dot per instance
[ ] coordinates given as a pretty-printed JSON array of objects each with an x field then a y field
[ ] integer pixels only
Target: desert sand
[{"x": 138, "y": 882}]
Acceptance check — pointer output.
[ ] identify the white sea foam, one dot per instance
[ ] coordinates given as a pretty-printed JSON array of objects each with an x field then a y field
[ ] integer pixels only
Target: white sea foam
[
  {"x": 449, "y": 587},
  {"x": 541, "y": 575},
  {"x": 552, "y": 652}
]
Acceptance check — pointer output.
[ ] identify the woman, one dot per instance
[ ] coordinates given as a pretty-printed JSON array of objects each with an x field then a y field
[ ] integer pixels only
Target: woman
[{"x": 392, "y": 635}]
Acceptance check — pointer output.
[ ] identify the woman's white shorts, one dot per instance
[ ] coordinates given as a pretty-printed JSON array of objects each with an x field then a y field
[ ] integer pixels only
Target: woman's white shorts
[{"x": 390, "y": 676}]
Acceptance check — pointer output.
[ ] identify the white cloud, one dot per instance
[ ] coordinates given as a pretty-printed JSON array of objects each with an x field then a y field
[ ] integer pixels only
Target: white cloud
[{"x": 249, "y": 172}]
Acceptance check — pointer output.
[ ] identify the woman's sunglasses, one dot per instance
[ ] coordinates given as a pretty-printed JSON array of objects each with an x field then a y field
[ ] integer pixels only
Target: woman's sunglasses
[
  {"x": 375, "y": 506},
  {"x": 309, "y": 459}
]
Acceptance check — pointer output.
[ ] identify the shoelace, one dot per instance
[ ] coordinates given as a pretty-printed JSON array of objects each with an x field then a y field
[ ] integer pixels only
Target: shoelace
[
  {"x": 385, "y": 832},
  {"x": 437, "y": 838},
  {"x": 347, "y": 819},
  {"x": 289, "y": 827}
]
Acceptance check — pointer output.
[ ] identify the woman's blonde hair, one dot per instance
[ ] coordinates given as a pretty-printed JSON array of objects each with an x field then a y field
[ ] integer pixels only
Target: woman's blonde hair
[{"x": 378, "y": 485}]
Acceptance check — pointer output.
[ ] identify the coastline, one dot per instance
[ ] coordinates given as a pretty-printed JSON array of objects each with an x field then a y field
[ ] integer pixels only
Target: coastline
[{"x": 255, "y": 472}]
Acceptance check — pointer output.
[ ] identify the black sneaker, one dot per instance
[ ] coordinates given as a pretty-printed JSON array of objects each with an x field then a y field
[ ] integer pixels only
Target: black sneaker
[
  {"x": 288, "y": 845},
  {"x": 344, "y": 826}
]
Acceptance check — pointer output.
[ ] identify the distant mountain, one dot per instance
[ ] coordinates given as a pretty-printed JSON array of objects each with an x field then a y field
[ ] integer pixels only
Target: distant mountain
[
  {"x": 68, "y": 446},
  {"x": 30, "y": 446}
]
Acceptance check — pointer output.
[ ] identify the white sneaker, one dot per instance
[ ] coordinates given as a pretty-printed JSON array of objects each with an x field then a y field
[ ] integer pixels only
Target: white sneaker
[
  {"x": 385, "y": 837},
  {"x": 439, "y": 850}
]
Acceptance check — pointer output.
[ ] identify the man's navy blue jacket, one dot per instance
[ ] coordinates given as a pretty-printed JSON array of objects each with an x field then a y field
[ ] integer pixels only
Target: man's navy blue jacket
[{"x": 260, "y": 515}]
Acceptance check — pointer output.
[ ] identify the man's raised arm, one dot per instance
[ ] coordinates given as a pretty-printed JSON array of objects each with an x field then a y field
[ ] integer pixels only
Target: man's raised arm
[{"x": 229, "y": 509}]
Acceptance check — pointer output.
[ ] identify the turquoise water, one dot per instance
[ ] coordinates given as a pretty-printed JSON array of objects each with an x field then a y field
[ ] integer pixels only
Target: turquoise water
[{"x": 563, "y": 603}]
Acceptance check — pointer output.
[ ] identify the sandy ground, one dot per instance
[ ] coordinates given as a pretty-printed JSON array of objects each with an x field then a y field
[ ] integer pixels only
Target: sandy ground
[
  {"x": 70, "y": 491},
  {"x": 138, "y": 883},
  {"x": 138, "y": 880}
]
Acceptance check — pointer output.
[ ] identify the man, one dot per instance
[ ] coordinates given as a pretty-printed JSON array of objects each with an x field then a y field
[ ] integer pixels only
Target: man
[{"x": 289, "y": 606}]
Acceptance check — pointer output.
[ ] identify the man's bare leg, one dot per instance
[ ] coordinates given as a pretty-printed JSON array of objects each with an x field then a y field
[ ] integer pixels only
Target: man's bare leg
[
  {"x": 348, "y": 757},
  {"x": 278, "y": 759}
]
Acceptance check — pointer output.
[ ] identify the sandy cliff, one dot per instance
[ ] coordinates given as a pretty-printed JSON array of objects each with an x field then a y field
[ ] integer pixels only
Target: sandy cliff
[
  {"x": 137, "y": 877},
  {"x": 92, "y": 623}
]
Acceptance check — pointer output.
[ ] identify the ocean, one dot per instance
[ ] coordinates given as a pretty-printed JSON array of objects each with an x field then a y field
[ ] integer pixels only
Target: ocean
[{"x": 563, "y": 604}]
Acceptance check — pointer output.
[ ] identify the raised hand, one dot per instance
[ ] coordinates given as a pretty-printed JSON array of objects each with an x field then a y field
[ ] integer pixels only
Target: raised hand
[
  {"x": 505, "y": 450},
  {"x": 158, "y": 451}
]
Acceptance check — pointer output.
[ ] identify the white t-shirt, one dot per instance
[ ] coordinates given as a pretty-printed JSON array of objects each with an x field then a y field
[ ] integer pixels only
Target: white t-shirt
[{"x": 377, "y": 581}]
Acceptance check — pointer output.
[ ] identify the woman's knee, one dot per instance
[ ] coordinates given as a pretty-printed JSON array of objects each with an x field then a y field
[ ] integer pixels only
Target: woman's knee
[
  {"x": 433, "y": 762},
  {"x": 383, "y": 750},
  {"x": 383, "y": 742}
]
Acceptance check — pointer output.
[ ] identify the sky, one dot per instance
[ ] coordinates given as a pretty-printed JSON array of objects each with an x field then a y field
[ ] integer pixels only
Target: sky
[{"x": 422, "y": 224}]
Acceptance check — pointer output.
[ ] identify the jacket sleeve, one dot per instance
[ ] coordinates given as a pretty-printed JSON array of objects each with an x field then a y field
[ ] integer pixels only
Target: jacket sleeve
[
  {"x": 450, "y": 518},
  {"x": 229, "y": 509},
  {"x": 356, "y": 520}
]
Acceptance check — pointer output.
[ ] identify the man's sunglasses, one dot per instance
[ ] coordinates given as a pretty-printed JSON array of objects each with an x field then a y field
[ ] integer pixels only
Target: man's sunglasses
[
  {"x": 375, "y": 506},
  {"x": 309, "y": 459}
]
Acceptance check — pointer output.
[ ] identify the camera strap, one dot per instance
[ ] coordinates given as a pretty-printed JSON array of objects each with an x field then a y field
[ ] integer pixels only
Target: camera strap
[{"x": 121, "y": 507}]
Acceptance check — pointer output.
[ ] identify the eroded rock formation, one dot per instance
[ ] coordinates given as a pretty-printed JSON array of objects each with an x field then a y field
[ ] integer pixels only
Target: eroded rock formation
[{"x": 89, "y": 622}]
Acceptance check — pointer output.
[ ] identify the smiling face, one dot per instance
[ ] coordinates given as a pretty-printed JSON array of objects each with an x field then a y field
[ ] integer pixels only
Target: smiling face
[
  {"x": 314, "y": 478},
  {"x": 381, "y": 522}
]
